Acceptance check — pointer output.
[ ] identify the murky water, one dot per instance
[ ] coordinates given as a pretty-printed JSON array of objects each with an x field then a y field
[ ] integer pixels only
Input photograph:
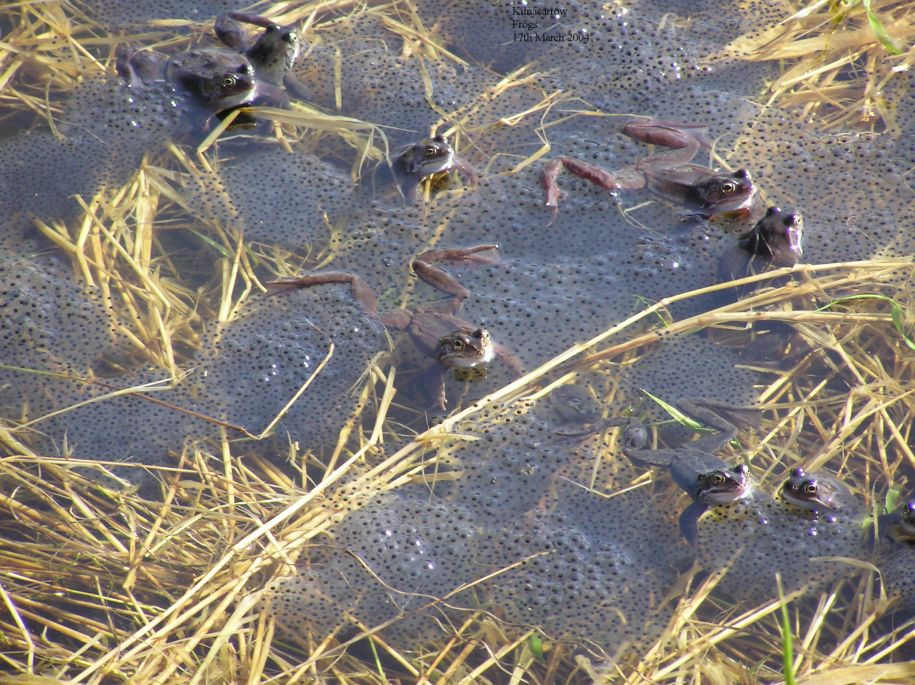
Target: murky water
[{"x": 578, "y": 544}]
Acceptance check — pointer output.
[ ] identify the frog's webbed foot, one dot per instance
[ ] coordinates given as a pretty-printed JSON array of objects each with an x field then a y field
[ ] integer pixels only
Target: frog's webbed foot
[
  {"x": 231, "y": 32},
  {"x": 550, "y": 187},
  {"x": 361, "y": 290},
  {"x": 423, "y": 266}
]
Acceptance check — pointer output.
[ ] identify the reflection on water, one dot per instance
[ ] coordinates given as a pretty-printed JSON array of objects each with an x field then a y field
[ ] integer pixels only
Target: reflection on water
[{"x": 129, "y": 259}]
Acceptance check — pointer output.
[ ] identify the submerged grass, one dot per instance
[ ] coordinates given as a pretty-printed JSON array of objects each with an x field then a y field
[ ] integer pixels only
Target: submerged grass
[{"x": 100, "y": 586}]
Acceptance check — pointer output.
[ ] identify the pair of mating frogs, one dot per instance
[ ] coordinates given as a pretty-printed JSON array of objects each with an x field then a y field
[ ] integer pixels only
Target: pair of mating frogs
[
  {"x": 435, "y": 329},
  {"x": 243, "y": 73},
  {"x": 805, "y": 536},
  {"x": 710, "y": 481}
]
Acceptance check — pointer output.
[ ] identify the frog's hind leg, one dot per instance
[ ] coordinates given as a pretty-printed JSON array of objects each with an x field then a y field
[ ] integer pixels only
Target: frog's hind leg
[
  {"x": 424, "y": 267},
  {"x": 627, "y": 178},
  {"x": 361, "y": 290},
  {"x": 677, "y": 135},
  {"x": 648, "y": 457},
  {"x": 231, "y": 32},
  {"x": 254, "y": 20},
  {"x": 722, "y": 417}
]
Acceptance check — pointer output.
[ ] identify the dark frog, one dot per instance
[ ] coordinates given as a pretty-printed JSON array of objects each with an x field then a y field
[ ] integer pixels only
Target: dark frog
[
  {"x": 775, "y": 241},
  {"x": 218, "y": 79}
]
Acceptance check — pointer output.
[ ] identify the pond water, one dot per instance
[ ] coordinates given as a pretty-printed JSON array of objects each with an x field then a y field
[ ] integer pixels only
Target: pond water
[{"x": 130, "y": 260}]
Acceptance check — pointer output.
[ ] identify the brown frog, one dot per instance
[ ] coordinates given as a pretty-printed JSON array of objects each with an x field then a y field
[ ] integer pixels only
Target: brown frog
[
  {"x": 702, "y": 190},
  {"x": 435, "y": 329}
]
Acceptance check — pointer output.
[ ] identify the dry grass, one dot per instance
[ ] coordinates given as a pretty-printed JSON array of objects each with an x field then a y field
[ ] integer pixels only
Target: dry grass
[
  {"x": 98, "y": 586},
  {"x": 839, "y": 59}
]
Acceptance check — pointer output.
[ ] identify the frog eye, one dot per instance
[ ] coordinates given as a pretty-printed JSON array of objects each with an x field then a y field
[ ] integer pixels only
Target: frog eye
[
  {"x": 458, "y": 344},
  {"x": 717, "y": 479},
  {"x": 228, "y": 81},
  {"x": 811, "y": 488},
  {"x": 728, "y": 187},
  {"x": 429, "y": 151}
]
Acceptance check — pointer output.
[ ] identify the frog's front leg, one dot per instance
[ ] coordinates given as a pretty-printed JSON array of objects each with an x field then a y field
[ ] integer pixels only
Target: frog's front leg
[
  {"x": 433, "y": 384},
  {"x": 689, "y": 520},
  {"x": 510, "y": 359},
  {"x": 423, "y": 266},
  {"x": 360, "y": 289},
  {"x": 466, "y": 172}
]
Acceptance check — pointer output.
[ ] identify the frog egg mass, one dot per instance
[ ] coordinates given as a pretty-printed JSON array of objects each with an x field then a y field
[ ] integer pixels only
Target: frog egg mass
[{"x": 251, "y": 316}]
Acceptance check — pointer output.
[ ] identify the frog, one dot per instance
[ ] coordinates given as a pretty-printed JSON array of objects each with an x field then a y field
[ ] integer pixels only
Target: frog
[
  {"x": 706, "y": 478},
  {"x": 898, "y": 567},
  {"x": 705, "y": 192},
  {"x": 219, "y": 79},
  {"x": 273, "y": 53},
  {"x": 417, "y": 162},
  {"x": 818, "y": 493},
  {"x": 775, "y": 241},
  {"x": 901, "y": 524},
  {"x": 435, "y": 329}
]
